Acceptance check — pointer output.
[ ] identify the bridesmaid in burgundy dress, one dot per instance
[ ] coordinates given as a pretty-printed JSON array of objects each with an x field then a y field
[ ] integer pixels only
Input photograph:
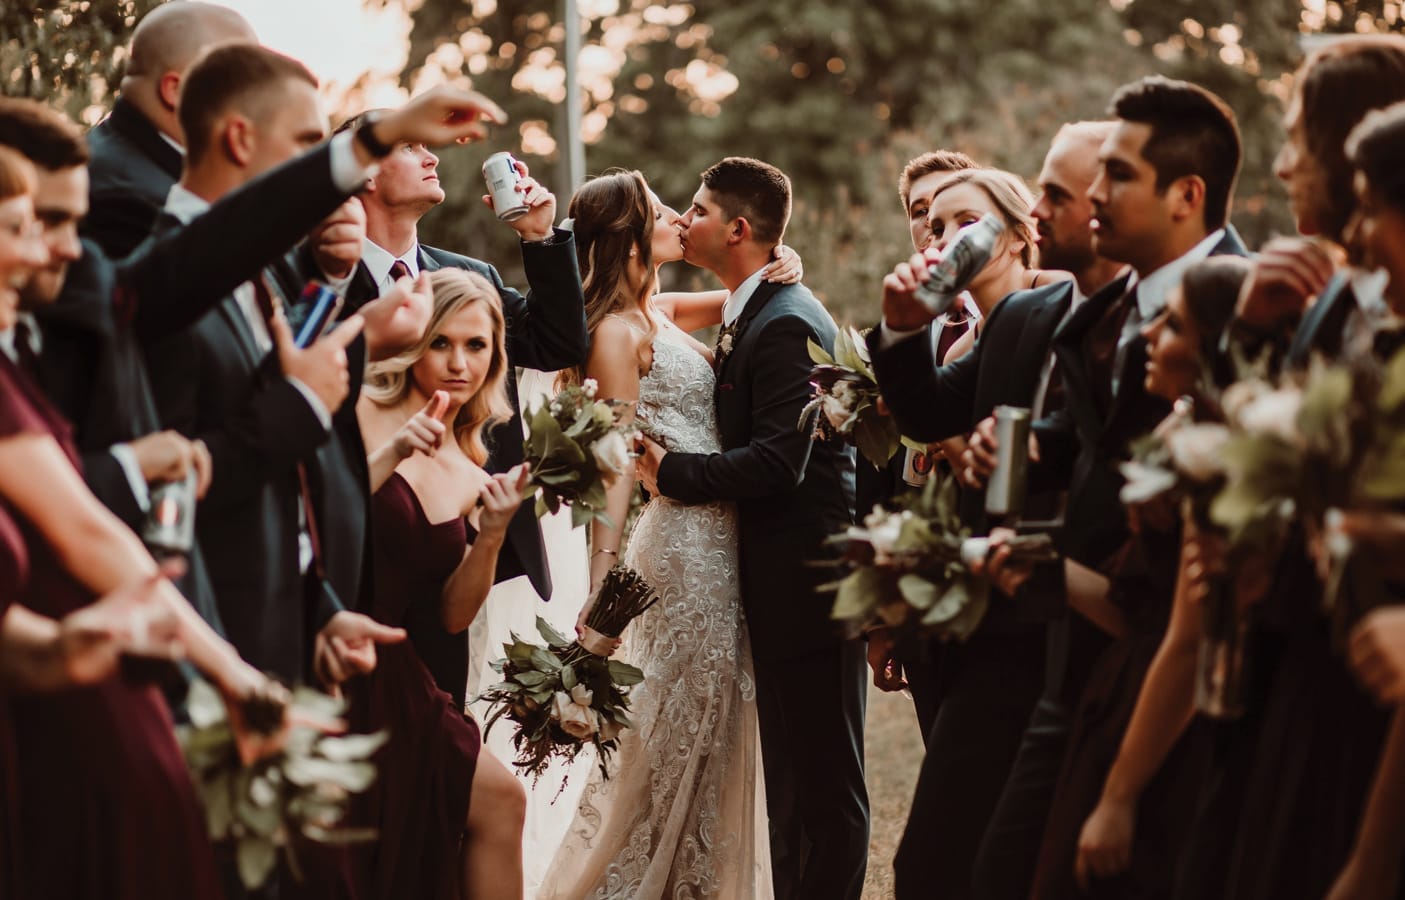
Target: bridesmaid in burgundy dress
[
  {"x": 449, "y": 816},
  {"x": 106, "y": 808}
]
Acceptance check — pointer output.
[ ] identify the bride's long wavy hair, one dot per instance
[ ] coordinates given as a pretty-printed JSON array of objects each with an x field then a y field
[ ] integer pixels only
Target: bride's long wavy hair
[
  {"x": 613, "y": 214},
  {"x": 388, "y": 381}
]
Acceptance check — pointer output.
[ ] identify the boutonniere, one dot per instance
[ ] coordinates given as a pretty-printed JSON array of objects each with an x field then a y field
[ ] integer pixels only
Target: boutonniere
[{"x": 725, "y": 341}]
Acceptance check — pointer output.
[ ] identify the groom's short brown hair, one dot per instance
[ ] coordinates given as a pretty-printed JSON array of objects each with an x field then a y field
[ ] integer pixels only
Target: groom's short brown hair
[{"x": 750, "y": 189}]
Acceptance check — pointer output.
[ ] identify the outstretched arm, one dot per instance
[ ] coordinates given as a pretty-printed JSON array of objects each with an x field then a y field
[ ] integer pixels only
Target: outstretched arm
[{"x": 102, "y": 553}]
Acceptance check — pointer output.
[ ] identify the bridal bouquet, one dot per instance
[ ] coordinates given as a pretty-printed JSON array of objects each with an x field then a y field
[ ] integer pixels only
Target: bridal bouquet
[
  {"x": 282, "y": 776},
  {"x": 577, "y": 446},
  {"x": 912, "y": 567},
  {"x": 565, "y": 694},
  {"x": 846, "y": 397},
  {"x": 1309, "y": 446},
  {"x": 1181, "y": 458}
]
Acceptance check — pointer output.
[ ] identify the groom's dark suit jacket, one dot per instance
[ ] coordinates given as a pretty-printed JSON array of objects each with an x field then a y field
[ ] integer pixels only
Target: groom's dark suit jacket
[
  {"x": 546, "y": 331},
  {"x": 1081, "y": 445},
  {"x": 791, "y": 491}
]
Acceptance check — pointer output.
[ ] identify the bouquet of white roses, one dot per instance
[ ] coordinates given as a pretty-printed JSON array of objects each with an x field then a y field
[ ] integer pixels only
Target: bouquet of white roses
[
  {"x": 1309, "y": 446},
  {"x": 912, "y": 567},
  {"x": 577, "y": 446},
  {"x": 565, "y": 695},
  {"x": 281, "y": 777},
  {"x": 846, "y": 398}
]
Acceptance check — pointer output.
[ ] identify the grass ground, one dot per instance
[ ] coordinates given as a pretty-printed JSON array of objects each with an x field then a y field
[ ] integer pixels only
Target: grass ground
[{"x": 893, "y": 747}]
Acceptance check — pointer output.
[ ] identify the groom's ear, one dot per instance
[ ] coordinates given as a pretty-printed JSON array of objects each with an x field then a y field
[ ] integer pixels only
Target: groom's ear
[{"x": 739, "y": 232}]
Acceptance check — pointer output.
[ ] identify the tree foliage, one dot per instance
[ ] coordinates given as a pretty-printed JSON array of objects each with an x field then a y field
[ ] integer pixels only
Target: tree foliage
[{"x": 68, "y": 51}]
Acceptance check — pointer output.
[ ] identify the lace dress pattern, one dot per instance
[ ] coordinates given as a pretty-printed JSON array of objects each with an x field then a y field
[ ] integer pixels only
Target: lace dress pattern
[{"x": 683, "y": 815}]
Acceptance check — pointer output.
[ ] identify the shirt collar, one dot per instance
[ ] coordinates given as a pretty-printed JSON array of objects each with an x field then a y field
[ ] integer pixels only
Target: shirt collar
[
  {"x": 1154, "y": 288},
  {"x": 174, "y": 145},
  {"x": 10, "y": 335},
  {"x": 736, "y": 300},
  {"x": 378, "y": 260},
  {"x": 184, "y": 205}
]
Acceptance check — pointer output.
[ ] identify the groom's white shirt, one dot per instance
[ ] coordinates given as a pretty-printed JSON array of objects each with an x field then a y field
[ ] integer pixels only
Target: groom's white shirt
[{"x": 736, "y": 300}]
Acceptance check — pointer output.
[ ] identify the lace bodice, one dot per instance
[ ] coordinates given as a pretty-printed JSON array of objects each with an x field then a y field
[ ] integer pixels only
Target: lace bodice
[{"x": 675, "y": 397}]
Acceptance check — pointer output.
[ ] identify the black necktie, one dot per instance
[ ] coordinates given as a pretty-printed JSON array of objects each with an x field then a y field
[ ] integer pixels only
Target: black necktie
[{"x": 25, "y": 357}]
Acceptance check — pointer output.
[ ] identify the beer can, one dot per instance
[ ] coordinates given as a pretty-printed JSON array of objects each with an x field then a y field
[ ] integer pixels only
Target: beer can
[
  {"x": 964, "y": 259},
  {"x": 500, "y": 172},
  {"x": 1004, "y": 495},
  {"x": 169, "y": 529}
]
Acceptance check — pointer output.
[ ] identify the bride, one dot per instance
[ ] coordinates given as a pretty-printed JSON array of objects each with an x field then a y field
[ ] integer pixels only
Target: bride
[{"x": 684, "y": 811}]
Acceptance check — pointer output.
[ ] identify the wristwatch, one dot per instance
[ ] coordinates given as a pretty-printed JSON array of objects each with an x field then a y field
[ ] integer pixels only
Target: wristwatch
[{"x": 366, "y": 137}]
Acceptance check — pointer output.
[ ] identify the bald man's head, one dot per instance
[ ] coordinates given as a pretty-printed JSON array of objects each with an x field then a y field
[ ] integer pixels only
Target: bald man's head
[
  {"x": 166, "y": 41},
  {"x": 172, "y": 36}
]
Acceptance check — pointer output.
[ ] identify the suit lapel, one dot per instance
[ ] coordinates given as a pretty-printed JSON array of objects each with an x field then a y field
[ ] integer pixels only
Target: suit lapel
[
  {"x": 1032, "y": 347},
  {"x": 1069, "y": 349},
  {"x": 759, "y": 298},
  {"x": 428, "y": 263}
]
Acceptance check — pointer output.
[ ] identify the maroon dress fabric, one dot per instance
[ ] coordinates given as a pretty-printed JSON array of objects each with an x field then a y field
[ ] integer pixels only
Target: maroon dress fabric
[
  {"x": 420, "y": 799},
  {"x": 14, "y": 574},
  {"x": 107, "y": 809}
]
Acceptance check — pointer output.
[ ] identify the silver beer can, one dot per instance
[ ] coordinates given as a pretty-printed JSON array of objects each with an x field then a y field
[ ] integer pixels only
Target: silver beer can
[
  {"x": 1004, "y": 495},
  {"x": 500, "y": 172},
  {"x": 964, "y": 259},
  {"x": 169, "y": 528}
]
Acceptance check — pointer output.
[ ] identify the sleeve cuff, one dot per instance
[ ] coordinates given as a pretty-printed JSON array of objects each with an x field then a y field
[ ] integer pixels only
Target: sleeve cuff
[
  {"x": 127, "y": 460},
  {"x": 887, "y": 337},
  {"x": 339, "y": 285},
  {"x": 347, "y": 174},
  {"x": 315, "y": 402}
]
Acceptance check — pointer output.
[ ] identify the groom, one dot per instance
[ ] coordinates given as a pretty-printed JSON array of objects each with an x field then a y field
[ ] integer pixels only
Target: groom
[{"x": 791, "y": 492}]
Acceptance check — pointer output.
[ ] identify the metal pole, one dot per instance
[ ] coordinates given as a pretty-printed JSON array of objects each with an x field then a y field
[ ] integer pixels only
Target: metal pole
[{"x": 575, "y": 150}]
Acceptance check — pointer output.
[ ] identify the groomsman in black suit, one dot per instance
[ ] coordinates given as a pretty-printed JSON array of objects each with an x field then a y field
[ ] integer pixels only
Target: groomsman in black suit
[
  {"x": 911, "y": 664},
  {"x": 791, "y": 493},
  {"x": 137, "y": 150},
  {"x": 264, "y": 407},
  {"x": 1160, "y": 202},
  {"x": 982, "y": 716},
  {"x": 545, "y": 329}
]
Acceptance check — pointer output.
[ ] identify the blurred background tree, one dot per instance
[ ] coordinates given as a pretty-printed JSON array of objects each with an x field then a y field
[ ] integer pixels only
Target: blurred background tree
[
  {"x": 70, "y": 51},
  {"x": 838, "y": 94}
]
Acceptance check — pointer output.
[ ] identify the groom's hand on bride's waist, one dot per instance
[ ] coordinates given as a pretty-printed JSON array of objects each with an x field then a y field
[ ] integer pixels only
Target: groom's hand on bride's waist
[{"x": 646, "y": 467}]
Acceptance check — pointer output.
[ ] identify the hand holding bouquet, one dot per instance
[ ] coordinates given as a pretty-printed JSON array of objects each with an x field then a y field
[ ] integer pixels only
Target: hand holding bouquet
[
  {"x": 914, "y": 567},
  {"x": 577, "y": 446},
  {"x": 567, "y": 694},
  {"x": 269, "y": 770},
  {"x": 846, "y": 397}
]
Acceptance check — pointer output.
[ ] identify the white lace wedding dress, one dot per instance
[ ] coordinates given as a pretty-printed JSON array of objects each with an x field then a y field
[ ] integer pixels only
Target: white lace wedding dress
[{"x": 683, "y": 814}]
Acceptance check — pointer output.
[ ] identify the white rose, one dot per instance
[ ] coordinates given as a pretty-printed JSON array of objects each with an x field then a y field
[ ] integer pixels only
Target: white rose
[
  {"x": 882, "y": 531},
  {"x": 576, "y": 720},
  {"x": 590, "y": 386},
  {"x": 1239, "y": 395},
  {"x": 611, "y": 454},
  {"x": 582, "y": 694},
  {"x": 1197, "y": 450},
  {"x": 1274, "y": 413},
  {"x": 836, "y": 413}
]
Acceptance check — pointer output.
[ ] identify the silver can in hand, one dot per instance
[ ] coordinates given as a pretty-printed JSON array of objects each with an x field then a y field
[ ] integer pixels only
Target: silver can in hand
[
  {"x": 1004, "y": 495},
  {"x": 961, "y": 263},
  {"x": 500, "y": 172},
  {"x": 169, "y": 529}
]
